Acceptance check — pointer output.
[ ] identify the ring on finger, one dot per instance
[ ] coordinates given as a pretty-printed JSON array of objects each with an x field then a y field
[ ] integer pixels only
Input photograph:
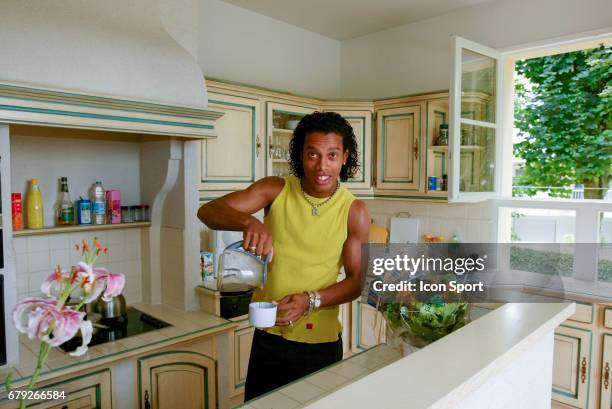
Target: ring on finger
[
  {"x": 290, "y": 322},
  {"x": 253, "y": 248}
]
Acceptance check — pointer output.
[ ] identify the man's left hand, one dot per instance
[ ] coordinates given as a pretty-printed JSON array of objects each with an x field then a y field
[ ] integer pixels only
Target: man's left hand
[{"x": 294, "y": 306}]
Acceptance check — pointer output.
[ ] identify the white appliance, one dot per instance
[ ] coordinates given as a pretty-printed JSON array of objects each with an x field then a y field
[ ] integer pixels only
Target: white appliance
[{"x": 404, "y": 230}]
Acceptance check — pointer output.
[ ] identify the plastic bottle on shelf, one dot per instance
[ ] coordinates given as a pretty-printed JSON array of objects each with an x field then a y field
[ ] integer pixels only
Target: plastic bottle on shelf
[
  {"x": 65, "y": 207},
  {"x": 98, "y": 203},
  {"x": 34, "y": 206}
]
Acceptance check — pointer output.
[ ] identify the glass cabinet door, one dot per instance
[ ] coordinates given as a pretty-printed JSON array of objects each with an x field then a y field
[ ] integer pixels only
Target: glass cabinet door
[
  {"x": 281, "y": 121},
  {"x": 475, "y": 121}
]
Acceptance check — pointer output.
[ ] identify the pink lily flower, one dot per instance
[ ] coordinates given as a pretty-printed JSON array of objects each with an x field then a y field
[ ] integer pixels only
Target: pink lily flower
[
  {"x": 40, "y": 318},
  {"x": 53, "y": 284},
  {"x": 106, "y": 283}
]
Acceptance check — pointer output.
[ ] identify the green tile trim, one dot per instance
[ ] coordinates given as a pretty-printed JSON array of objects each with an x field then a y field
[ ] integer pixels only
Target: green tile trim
[
  {"x": 84, "y": 100},
  {"x": 102, "y": 116},
  {"x": 253, "y": 138}
]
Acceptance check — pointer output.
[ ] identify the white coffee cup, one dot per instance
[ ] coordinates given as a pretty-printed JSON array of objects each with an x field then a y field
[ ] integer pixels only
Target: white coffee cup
[{"x": 262, "y": 314}]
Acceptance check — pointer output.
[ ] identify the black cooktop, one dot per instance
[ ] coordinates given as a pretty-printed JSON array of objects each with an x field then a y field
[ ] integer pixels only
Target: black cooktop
[{"x": 133, "y": 323}]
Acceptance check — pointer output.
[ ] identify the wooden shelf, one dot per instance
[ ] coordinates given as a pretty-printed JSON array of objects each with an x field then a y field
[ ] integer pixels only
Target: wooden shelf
[{"x": 78, "y": 228}]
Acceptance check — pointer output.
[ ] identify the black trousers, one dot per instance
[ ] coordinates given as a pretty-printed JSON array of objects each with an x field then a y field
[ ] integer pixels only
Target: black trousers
[{"x": 275, "y": 361}]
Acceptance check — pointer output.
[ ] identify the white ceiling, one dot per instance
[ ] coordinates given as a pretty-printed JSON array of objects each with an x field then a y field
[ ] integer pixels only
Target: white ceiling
[{"x": 345, "y": 19}]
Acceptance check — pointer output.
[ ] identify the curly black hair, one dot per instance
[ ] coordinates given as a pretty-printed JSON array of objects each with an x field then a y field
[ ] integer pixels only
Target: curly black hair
[{"x": 325, "y": 122}]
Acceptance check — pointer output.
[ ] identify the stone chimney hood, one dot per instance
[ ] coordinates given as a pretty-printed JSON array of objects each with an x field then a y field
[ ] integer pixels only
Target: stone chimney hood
[{"x": 98, "y": 64}]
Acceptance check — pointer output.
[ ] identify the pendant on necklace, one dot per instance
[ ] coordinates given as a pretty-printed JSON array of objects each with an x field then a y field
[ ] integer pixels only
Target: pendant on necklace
[{"x": 315, "y": 212}]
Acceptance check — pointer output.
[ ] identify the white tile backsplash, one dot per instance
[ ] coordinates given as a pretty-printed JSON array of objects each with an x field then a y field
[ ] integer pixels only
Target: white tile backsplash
[
  {"x": 38, "y": 260},
  {"x": 37, "y": 256},
  {"x": 20, "y": 245},
  {"x": 38, "y": 243},
  {"x": 471, "y": 221}
]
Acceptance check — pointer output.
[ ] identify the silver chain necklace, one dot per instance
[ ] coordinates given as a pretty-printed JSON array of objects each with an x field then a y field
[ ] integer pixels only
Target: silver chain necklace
[{"x": 315, "y": 206}]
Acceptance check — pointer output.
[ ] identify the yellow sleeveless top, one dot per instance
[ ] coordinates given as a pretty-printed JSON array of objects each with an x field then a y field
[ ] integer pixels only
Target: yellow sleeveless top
[{"x": 307, "y": 256}]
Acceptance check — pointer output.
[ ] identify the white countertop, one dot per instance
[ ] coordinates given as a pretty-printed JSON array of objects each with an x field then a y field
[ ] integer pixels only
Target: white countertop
[{"x": 455, "y": 365}]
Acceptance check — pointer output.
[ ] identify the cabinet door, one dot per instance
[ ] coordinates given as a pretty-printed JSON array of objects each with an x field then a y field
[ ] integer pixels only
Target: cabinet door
[
  {"x": 572, "y": 366},
  {"x": 361, "y": 122},
  {"x": 280, "y": 123},
  {"x": 606, "y": 373},
  {"x": 86, "y": 391},
  {"x": 399, "y": 148},
  {"x": 242, "y": 351},
  {"x": 177, "y": 379},
  {"x": 368, "y": 327},
  {"x": 230, "y": 161}
]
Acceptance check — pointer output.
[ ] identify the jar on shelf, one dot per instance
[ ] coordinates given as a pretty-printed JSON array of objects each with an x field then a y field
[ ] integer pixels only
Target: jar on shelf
[
  {"x": 443, "y": 135},
  {"x": 137, "y": 213},
  {"x": 127, "y": 216},
  {"x": 146, "y": 215}
]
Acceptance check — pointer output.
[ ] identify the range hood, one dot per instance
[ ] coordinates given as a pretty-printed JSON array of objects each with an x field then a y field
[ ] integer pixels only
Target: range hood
[{"x": 101, "y": 64}]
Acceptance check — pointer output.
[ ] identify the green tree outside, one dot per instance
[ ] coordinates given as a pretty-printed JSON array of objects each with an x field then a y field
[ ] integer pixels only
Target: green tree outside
[{"x": 564, "y": 112}]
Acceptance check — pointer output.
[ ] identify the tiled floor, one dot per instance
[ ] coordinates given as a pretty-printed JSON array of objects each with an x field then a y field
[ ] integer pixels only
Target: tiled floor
[{"x": 313, "y": 387}]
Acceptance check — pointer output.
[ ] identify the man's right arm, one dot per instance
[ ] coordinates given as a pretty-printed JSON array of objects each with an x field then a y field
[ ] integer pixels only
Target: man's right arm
[{"x": 234, "y": 212}]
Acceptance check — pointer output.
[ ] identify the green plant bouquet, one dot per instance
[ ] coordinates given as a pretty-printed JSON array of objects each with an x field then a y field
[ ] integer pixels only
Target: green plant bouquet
[{"x": 420, "y": 324}]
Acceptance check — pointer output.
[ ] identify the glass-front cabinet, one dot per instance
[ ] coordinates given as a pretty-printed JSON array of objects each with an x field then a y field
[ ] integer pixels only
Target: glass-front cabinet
[
  {"x": 475, "y": 121},
  {"x": 282, "y": 119},
  {"x": 437, "y": 146}
]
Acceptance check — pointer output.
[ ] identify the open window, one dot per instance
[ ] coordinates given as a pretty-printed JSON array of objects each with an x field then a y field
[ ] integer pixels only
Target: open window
[{"x": 475, "y": 121}]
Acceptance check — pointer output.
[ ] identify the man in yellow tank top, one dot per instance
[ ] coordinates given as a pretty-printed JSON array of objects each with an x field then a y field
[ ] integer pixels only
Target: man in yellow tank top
[{"x": 314, "y": 226}]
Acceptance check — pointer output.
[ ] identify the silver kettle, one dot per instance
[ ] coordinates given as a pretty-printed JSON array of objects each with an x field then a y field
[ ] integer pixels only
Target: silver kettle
[{"x": 111, "y": 309}]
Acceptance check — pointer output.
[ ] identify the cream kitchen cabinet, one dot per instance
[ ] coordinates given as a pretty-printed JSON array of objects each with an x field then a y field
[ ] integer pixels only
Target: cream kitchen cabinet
[
  {"x": 367, "y": 326},
  {"x": 243, "y": 338},
  {"x": 606, "y": 376},
  {"x": 572, "y": 366},
  {"x": 232, "y": 161},
  {"x": 361, "y": 122},
  {"x": 177, "y": 379},
  {"x": 86, "y": 391},
  {"x": 281, "y": 119},
  {"x": 399, "y": 148},
  {"x": 437, "y": 158}
]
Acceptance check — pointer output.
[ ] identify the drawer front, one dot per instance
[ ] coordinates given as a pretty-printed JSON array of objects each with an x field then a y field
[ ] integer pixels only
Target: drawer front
[
  {"x": 608, "y": 318},
  {"x": 584, "y": 313}
]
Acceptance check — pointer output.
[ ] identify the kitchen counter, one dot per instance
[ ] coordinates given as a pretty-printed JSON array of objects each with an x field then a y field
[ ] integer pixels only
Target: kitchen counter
[
  {"x": 465, "y": 369},
  {"x": 185, "y": 326}
]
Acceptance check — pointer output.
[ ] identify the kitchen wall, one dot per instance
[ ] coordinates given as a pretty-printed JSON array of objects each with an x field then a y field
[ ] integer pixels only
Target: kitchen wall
[
  {"x": 242, "y": 46},
  {"x": 37, "y": 256},
  {"x": 415, "y": 58},
  {"x": 82, "y": 160},
  {"x": 473, "y": 222}
]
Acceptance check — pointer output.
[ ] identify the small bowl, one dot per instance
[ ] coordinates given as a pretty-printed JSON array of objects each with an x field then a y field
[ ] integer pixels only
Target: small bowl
[{"x": 262, "y": 314}]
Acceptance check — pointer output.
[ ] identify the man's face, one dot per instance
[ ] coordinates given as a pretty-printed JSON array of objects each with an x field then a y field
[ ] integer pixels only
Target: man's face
[{"x": 323, "y": 156}]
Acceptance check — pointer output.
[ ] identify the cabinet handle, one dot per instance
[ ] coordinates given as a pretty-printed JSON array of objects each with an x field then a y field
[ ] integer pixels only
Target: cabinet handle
[
  {"x": 606, "y": 375},
  {"x": 583, "y": 369},
  {"x": 147, "y": 405},
  {"x": 270, "y": 147},
  {"x": 416, "y": 148},
  {"x": 257, "y": 146}
]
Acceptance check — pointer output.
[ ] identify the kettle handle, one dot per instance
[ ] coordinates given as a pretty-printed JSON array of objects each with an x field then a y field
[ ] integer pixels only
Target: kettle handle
[{"x": 237, "y": 246}]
